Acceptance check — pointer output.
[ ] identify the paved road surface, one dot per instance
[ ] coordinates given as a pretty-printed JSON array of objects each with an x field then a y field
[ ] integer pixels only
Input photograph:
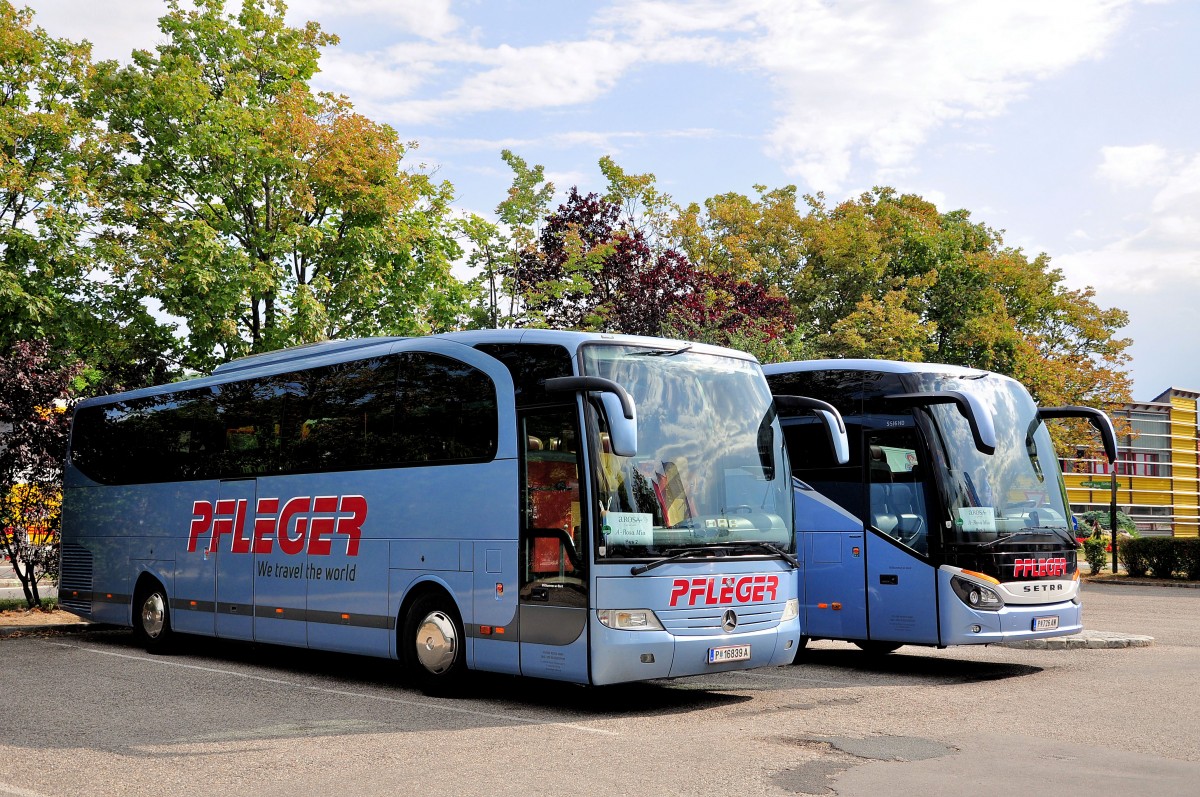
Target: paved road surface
[{"x": 91, "y": 714}]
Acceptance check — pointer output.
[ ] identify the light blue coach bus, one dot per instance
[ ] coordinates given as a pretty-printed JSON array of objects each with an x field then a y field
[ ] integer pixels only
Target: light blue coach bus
[
  {"x": 582, "y": 507},
  {"x": 948, "y": 524}
]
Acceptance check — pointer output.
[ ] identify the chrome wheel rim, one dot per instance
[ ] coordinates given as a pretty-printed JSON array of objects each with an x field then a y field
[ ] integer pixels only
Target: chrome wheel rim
[
  {"x": 154, "y": 615},
  {"x": 437, "y": 642}
]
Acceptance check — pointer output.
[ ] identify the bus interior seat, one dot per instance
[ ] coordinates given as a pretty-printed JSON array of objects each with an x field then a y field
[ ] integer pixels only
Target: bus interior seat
[{"x": 881, "y": 471}]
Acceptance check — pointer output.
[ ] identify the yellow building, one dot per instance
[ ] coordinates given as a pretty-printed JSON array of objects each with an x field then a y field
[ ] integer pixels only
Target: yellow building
[{"x": 1158, "y": 478}]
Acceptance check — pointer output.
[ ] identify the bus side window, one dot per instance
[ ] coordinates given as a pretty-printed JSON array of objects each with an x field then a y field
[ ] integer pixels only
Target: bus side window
[
  {"x": 552, "y": 504},
  {"x": 814, "y": 463}
]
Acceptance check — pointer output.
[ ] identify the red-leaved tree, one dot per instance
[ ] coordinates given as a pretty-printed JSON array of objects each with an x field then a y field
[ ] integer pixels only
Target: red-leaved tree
[
  {"x": 33, "y": 443},
  {"x": 593, "y": 271}
]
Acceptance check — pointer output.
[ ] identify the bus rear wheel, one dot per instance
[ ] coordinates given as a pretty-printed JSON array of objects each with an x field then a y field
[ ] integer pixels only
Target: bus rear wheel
[
  {"x": 152, "y": 619},
  {"x": 876, "y": 648},
  {"x": 434, "y": 646}
]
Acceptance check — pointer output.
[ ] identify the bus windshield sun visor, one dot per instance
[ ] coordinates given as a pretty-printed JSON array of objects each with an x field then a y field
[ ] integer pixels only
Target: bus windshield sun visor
[
  {"x": 1093, "y": 416},
  {"x": 983, "y": 430}
]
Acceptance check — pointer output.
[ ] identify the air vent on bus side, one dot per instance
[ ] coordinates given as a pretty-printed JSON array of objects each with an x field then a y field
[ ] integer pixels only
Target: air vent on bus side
[{"x": 75, "y": 580}]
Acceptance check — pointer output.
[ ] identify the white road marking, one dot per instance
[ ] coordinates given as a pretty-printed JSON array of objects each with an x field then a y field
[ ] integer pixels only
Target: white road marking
[
  {"x": 17, "y": 791},
  {"x": 342, "y": 692}
]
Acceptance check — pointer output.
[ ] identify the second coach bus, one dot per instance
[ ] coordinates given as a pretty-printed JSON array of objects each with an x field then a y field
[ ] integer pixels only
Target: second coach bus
[
  {"x": 582, "y": 507},
  {"x": 949, "y": 524}
]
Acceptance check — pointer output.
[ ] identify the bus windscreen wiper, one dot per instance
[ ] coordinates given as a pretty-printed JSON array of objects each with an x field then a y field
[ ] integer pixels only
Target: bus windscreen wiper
[
  {"x": 662, "y": 352},
  {"x": 719, "y": 550},
  {"x": 770, "y": 548},
  {"x": 1029, "y": 532},
  {"x": 696, "y": 551}
]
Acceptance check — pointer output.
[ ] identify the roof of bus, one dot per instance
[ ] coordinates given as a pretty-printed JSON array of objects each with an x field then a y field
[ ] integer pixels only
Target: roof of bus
[
  {"x": 332, "y": 351},
  {"x": 881, "y": 366}
]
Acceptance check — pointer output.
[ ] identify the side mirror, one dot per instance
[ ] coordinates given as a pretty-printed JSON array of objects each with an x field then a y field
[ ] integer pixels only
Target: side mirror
[
  {"x": 619, "y": 409},
  {"x": 983, "y": 428},
  {"x": 1093, "y": 416},
  {"x": 835, "y": 425}
]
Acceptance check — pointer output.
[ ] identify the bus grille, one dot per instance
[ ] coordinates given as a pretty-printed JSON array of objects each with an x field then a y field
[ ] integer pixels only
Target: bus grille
[
  {"x": 75, "y": 580},
  {"x": 703, "y": 621}
]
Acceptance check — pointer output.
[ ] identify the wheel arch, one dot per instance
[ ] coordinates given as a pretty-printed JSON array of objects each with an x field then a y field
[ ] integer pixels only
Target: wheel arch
[
  {"x": 426, "y": 585},
  {"x": 146, "y": 581}
]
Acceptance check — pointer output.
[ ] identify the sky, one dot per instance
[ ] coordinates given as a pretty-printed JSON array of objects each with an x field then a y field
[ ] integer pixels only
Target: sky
[{"x": 1070, "y": 125}]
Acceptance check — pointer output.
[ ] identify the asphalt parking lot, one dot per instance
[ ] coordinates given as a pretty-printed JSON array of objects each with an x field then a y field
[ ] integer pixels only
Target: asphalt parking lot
[{"x": 92, "y": 714}]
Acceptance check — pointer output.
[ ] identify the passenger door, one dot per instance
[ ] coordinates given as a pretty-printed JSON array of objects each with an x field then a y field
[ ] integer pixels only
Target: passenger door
[
  {"x": 901, "y": 580},
  {"x": 553, "y": 596}
]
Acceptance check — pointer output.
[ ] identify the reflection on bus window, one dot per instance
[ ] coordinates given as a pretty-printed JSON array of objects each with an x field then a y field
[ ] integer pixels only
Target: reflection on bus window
[{"x": 896, "y": 490}]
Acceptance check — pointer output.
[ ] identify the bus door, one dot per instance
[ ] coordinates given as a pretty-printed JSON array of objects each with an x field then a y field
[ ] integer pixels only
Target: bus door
[
  {"x": 235, "y": 560},
  {"x": 901, "y": 580},
  {"x": 827, "y": 498},
  {"x": 553, "y": 596}
]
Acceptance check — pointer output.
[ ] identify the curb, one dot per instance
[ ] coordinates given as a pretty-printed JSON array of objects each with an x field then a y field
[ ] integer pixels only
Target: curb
[
  {"x": 52, "y": 628},
  {"x": 1143, "y": 582},
  {"x": 1085, "y": 640}
]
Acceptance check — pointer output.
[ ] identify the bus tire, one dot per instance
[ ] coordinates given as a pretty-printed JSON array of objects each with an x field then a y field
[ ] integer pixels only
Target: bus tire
[
  {"x": 152, "y": 618},
  {"x": 434, "y": 645},
  {"x": 877, "y": 648}
]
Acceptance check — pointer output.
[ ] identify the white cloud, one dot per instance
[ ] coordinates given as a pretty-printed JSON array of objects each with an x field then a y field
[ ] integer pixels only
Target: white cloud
[
  {"x": 430, "y": 19},
  {"x": 1133, "y": 167},
  {"x": 873, "y": 81},
  {"x": 524, "y": 78},
  {"x": 1163, "y": 253},
  {"x": 114, "y": 29},
  {"x": 862, "y": 82}
]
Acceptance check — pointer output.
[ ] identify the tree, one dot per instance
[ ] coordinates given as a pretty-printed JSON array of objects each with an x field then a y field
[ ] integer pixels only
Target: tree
[
  {"x": 54, "y": 165},
  {"x": 33, "y": 446},
  {"x": 592, "y": 271},
  {"x": 260, "y": 213},
  {"x": 887, "y": 275},
  {"x": 498, "y": 248}
]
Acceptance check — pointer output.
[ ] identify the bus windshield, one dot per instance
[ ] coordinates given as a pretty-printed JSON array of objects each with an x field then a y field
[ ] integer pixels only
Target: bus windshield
[
  {"x": 1015, "y": 491},
  {"x": 710, "y": 467}
]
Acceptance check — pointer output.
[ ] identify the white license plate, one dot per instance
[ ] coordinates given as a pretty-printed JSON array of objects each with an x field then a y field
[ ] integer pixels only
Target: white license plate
[
  {"x": 1045, "y": 623},
  {"x": 730, "y": 653}
]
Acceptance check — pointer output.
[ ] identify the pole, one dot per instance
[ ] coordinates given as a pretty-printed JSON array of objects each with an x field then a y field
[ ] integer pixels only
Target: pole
[{"x": 1112, "y": 517}]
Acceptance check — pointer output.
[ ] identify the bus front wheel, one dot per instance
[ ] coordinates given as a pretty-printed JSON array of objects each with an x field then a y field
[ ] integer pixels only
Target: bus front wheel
[
  {"x": 434, "y": 646},
  {"x": 800, "y": 648},
  {"x": 152, "y": 619}
]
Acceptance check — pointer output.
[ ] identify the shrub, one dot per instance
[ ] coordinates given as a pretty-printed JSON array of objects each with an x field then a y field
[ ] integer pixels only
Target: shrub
[
  {"x": 1097, "y": 558},
  {"x": 1162, "y": 556},
  {"x": 1189, "y": 558},
  {"x": 1133, "y": 556}
]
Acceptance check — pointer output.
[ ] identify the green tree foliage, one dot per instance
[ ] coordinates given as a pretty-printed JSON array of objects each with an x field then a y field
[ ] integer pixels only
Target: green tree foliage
[
  {"x": 53, "y": 167},
  {"x": 262, "y": 214},
  {"x": 498, "y": 248},
  {"x": 33, "y": 448},
  {"x": 887, "y": 275}
]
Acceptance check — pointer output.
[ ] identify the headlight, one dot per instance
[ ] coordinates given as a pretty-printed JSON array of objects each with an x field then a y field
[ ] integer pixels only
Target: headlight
[
  {"x": 976, "y": 595},
  {"x": 791, "y": 610},
  {"x": 629, "y": 619}
]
